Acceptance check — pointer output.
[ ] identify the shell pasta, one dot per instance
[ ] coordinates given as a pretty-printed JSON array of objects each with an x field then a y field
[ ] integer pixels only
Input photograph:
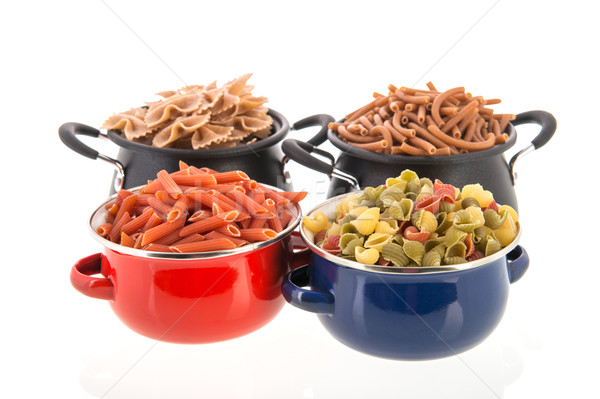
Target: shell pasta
[
  {"x": 414, "y": 222},
  {"x": 198, "y": 210}
]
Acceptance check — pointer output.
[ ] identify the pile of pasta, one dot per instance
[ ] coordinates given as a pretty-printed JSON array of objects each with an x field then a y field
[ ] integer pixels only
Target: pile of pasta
[
  {"x": 414, "y": 222},
  {"x": 198, "y": 117},
  {"x": 424, "y": 123},
  {"x": 198, "y": 210}
]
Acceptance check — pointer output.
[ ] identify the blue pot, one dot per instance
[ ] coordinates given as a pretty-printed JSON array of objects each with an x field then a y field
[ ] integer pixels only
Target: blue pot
[{"x": 405, "y": 313}]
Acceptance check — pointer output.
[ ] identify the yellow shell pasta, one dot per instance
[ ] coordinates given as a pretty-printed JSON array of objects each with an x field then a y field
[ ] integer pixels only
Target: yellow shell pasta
[
  {"x": 317, "y": 223},
  {"x": 367, "y": 221},
  {"x": 377, "y": 240},
  {"x": 507, "y": 232},
  {"x": 367, "y": 256}
]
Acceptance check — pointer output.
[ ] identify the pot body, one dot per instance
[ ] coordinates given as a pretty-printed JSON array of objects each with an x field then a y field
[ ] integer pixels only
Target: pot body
[
  {"x": 136, "y": 163},
  {"x": 264, "y": 165},
  {"x": 492, "y": 172},
  {"x": 190, "y": 301},
  {"x": 406, "y": 316}
]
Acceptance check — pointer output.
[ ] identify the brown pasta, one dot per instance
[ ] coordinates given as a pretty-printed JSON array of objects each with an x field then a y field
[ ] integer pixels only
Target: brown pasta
[
  {"x": 198, "y": 117},
  {"x": 417, "y": 122}
]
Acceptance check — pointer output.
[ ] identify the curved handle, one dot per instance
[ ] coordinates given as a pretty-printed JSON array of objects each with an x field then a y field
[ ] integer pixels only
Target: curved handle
[
  {"x": 300, "y": 151},
  {"x": 517, "y": 263},
  {"x": 322, "y": 120},
  {"x": 68, "y": 135},
  {"x": 303, "y": 298},
  {"x": 95, "y": 287},
  {"x": 548, "y": 126}
]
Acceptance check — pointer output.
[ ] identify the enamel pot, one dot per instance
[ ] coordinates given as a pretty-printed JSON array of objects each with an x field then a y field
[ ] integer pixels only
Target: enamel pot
[
  {"x": 405, "y": 313},
  {"x": 191, "y": 298},
  {"x": 357, "y": 168},
  {"x": 136, "y": 163}
]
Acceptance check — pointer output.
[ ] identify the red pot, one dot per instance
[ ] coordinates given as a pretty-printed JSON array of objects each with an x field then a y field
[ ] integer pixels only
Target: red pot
[{"x": 195, "y": 297}]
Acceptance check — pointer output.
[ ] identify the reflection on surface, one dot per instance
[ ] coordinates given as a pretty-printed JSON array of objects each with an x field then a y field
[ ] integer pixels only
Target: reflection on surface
[{"x": 292, "y": 357}]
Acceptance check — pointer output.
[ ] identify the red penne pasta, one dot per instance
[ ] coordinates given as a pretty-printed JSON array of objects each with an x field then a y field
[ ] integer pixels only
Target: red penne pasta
[
  {"x": 169, "y": 184},
  {"x": 184, "y": 210},
  {"x": 180, "y": 208},
  {"x": 159, "y": 207},
  {"x": 190, "y": 238},
  {"x": 209, "y": 224},
  {"x": 161, "y": 230},
  {"x": 230, "y": 230},
  {"x": 252, "y": 207},
  {"x": 138, "y": 222},
  {"x": 294, "y": 197},
  {"x": 126, "y": 241},
  {"x": 216, "y": 234},
  {"x": 218, "y": 244},
  {"x": 157, "y": 248},
  {"x": 115, "y": 232},
  {"x": 104, "y": 229},
  {"x": 195, "y": 179},
  {"x": 230, "y": 177},
  {"x": 253, "y": 235},
  {"x": 126, "y": 205},
  {"x": 200, "y": 215}
]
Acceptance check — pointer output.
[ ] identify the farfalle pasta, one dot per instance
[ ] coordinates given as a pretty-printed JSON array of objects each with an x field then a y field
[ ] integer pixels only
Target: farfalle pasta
[
  {"x": 198, "y": 117},
  {"x": 414, "y": 222}
]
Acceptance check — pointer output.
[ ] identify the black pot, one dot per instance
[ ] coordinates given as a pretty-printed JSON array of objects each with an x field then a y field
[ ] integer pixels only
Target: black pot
[
  {"x": 137, "y": 163},
  {"x": 356, "y": 168}
]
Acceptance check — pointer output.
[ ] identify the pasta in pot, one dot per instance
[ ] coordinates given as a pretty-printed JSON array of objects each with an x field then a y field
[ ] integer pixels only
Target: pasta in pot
[
  {"x": 416, "y": 223},
  {"x": 198, "y": 117},
  {"x": 199, "y": 210}
]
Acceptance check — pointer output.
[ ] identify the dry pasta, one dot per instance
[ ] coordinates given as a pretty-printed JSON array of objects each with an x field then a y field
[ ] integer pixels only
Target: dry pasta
[
  {"x": 198, "y": 210},
  {"x": 198, "y": 117},
  {"x": 414, "y": 222},
  {"x": 424, "y": 123}
]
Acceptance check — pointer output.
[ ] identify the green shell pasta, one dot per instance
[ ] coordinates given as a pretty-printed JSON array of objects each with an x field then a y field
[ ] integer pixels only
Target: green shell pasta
[
  {"x": 493, "y": 219},
  {"x": 414, "y": 250},
  {"x": 469, "y": 201},
  {"x": 389, "y": 196},
  {"x": 395, "y": 254},
  {"x": 351, "y": 246}
]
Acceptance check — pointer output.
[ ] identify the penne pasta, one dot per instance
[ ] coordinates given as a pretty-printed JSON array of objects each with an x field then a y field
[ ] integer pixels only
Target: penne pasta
[{"x": 176, "y": 212}]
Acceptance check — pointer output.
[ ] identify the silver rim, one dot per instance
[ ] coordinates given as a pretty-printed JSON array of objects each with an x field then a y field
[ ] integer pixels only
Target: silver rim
[
  {"x": 395, "y": 269},
  {"x": 100, "y": 211}
]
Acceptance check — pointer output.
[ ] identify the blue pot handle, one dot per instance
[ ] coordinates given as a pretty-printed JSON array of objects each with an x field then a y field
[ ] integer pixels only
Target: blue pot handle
[
  {"x": 517, "y": 263},
  {"x": 306, "y": 299}
]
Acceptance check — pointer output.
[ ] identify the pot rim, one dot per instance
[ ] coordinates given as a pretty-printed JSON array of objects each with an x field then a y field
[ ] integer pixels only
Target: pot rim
[
  {"x": 415, "y": 159},
  {"x": 101, "y": 211},
  {"x": 398, "y": 269},
  {"x": 280, "y": 123}
]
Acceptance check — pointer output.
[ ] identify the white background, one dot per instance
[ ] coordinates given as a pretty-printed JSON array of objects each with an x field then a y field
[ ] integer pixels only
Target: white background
[{"x": 83, "y": 60}]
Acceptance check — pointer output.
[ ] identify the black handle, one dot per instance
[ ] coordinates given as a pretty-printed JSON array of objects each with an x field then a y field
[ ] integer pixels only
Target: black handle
[
  {"x": 322, "y": 120},
  {"x": 300, "y": 151},
  {"x": 545, "y": 119},
  {"x": 68, "y": 135}
]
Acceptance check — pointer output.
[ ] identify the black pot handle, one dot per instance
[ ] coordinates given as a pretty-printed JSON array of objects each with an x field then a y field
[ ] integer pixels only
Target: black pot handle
[
  {"x": 322, "y": 120},
  {"x": 548, "y": 126},
  {"x": 68, "y": 133},
  {"x": 301, "y": 151}
]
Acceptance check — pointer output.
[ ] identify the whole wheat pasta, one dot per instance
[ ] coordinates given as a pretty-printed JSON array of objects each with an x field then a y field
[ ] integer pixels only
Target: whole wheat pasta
[
  {"x": 344, "y": 133},
  {"x": 466, "y": 110},
  {"x": 423, "y": 144},
  {"x": 439, "y": 100},
  {"x": 396, "y": 123},
  {"x": 384, "y": 132},
  {"x": 462, "y": 144},
  {"x": 396, "y": 135},
  {"x": 381, "y": 144},
  {"x": 424, "y": 133},
  {"x": 421, "y": 113}
]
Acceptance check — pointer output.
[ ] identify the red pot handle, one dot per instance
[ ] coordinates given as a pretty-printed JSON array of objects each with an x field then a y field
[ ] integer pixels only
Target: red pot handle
[
  {"x": 302, "y": 253},
  {"x": 95, "y": 287}
]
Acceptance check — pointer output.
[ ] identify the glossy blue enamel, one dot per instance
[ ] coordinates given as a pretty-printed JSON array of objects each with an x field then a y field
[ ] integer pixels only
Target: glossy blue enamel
[{"x": 406, "y": 316}]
